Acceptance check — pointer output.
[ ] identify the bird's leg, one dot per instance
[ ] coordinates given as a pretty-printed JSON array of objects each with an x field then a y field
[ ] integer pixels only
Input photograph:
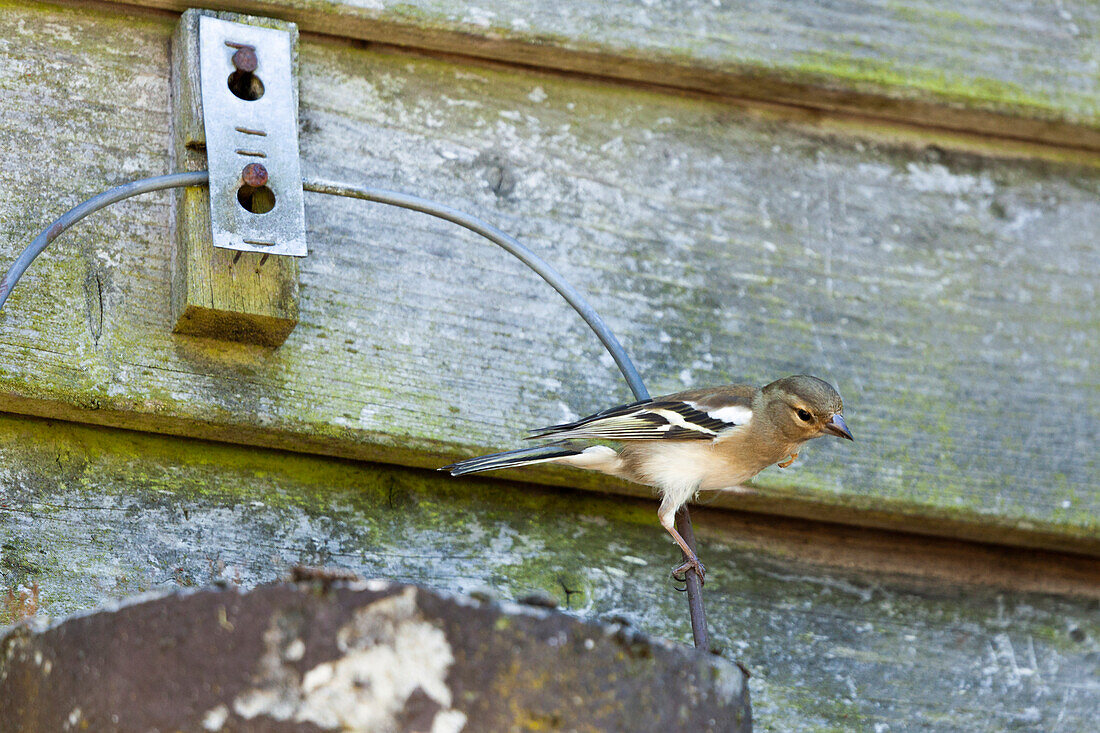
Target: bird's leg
[
  {"x": 692, "y": 563},
  {"x": 789, "y": 461}
]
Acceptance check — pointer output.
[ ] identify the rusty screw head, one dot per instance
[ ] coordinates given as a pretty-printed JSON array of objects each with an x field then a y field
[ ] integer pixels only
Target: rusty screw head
[
  {"x": 245, "y": 59},
  {"x": 254, "y": 175}
]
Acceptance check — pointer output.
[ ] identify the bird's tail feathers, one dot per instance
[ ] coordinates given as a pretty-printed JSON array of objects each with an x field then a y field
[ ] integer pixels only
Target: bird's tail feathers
[{"x": 511, "y": 459}]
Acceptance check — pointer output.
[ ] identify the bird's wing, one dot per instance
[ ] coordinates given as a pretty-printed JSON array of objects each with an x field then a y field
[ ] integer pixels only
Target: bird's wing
[{"x": 695, "y": 415}]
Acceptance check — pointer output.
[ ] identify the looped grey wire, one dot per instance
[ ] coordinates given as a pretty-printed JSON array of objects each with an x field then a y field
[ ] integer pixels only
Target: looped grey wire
[
  {"x": 510, "y": 244},
  {"x": 92, "y": 205},
  {"x": 198, "y": 178},
  {"x": 406, "y": 201},
  {"x": 694, "y": 585}
]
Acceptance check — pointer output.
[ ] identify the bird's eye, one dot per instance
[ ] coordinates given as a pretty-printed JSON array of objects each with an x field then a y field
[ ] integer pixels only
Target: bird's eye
[{"x": 803, "y": 415}]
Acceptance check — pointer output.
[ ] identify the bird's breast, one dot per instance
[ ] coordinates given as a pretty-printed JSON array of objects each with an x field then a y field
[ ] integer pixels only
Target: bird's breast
[{"x": 687, "y": 465}]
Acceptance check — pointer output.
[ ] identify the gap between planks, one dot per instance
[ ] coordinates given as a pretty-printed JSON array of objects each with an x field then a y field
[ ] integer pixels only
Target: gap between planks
[
  {"x": 917, "y": 562},
  {"x": 921, "y": 561}
]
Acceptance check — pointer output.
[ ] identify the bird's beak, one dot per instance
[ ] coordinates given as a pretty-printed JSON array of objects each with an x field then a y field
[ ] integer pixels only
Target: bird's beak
[{"x": 838, "y": 427}]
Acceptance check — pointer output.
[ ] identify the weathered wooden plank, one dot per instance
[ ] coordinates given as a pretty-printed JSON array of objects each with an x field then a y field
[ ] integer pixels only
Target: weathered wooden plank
[
  {"x": 868, "y": 633},
  {"x": 951, "y": 297},
  {"x": 1008, "y": 69}
]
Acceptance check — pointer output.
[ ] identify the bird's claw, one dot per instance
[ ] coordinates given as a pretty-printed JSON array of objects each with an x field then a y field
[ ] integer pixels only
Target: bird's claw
[
  {"x": 788, "y": 462},
  {"x": 692, "y": 563}
]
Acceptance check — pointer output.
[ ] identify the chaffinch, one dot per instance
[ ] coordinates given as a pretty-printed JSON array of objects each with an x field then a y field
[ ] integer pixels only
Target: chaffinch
[{"x": 683, "y": 443}]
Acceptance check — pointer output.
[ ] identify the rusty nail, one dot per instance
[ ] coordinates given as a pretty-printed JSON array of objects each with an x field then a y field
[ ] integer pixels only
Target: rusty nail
[
  {"x": 255, "y": 175},
  {"x": 245, "y": 59}
]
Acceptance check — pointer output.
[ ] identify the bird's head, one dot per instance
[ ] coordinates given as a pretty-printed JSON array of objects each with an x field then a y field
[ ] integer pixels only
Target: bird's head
[{"x": 803, "y": 407}]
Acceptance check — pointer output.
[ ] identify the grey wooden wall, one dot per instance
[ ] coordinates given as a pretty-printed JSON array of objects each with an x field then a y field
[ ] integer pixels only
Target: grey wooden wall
[{"x": 901, "y": 199}]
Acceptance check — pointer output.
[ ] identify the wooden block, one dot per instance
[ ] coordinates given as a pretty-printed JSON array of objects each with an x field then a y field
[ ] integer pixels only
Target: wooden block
[{"x": 220, "y": 293}]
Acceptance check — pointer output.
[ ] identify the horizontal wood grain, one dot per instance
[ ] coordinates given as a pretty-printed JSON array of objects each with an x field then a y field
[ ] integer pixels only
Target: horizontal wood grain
[
  {"x": 950, "y": 297},
  {"x": 841, "y": 629},
  {"x": 1013, "y": 70}
]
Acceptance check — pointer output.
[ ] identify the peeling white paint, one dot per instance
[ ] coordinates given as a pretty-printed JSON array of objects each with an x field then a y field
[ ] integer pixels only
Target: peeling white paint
[
  {"x": 215, "y": 718},
  {"x": 389, "y": 652},
  {"x": 294, "y": 651}
]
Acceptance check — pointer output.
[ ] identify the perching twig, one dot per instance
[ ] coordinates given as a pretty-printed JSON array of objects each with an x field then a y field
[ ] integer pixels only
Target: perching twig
[{"x": 694, "y": 584}]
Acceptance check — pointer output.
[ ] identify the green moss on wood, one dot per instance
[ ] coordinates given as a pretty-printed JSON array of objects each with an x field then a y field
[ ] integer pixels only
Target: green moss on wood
[{"x": 594, "y": 186}]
